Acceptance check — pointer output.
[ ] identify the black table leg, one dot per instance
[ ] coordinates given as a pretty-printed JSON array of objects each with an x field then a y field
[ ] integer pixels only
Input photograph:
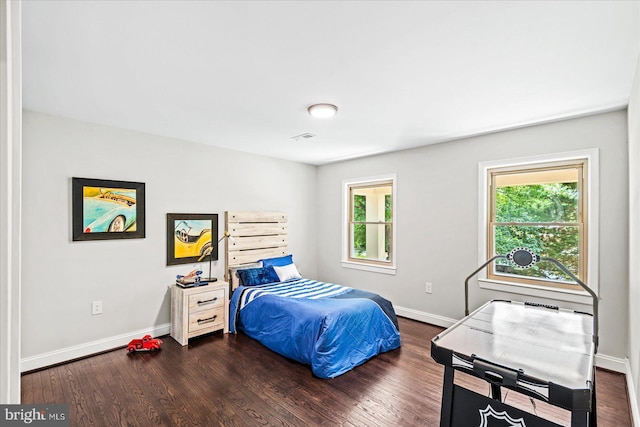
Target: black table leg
[
  {"x": 593, "y": 418},
  {"x": 579, "y": 419},
  {"x": 496, "y": 394},
  {"x": 447, "y": 397}
]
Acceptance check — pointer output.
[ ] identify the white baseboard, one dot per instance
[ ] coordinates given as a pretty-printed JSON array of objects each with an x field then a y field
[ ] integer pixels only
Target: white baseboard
[
  {"x": 633, "y": 397},
  {"x": 602, "y": 360},
  {"x": 421, "y": 316},
  {"x": 82, "y": 350},
  {"x": 611, "y": 363}
]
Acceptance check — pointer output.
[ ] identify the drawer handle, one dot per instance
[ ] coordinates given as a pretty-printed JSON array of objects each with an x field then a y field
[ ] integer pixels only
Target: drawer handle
[
  {"x": 207, "y": 320},
  {"x": 208, "y": 301}
]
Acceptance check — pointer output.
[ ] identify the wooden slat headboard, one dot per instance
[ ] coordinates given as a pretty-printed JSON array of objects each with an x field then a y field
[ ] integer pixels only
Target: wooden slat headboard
[{"x": 252, "y": 237}]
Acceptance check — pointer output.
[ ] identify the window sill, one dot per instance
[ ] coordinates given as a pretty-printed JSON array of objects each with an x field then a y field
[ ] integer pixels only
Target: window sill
[
  {"x": 369, "y": 267},
  {"x": 566, "y": 295}
]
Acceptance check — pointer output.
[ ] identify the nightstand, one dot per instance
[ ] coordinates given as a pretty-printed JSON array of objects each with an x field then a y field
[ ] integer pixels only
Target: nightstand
[{"x": 199, "y": 310}]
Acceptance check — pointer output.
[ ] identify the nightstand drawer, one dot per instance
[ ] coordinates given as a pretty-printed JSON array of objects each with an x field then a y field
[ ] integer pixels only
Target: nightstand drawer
[
  {"x": 206, "y": 319},
  {"x": 206, "y": 300}
]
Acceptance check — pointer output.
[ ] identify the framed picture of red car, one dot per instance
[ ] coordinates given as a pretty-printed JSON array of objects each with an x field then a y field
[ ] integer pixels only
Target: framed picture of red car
[
  {"x": 190, "y": 238},
  {"x": 104, "y": 209}
]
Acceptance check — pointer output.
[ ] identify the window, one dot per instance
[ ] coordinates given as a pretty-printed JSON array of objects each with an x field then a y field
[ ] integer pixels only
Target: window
[
  {"x": 369, "y": 224},
  {"x": 547, "y": 203},
  {"x": 540, "y": 207}
]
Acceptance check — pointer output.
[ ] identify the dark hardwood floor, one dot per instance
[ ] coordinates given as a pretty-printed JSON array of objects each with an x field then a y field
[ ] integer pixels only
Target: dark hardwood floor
[{"x": 232, "y": 380}]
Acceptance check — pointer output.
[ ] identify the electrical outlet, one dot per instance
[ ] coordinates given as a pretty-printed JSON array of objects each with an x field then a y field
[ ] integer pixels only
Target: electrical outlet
[
  {"x": 96, "y": 307},
  {"x": 428, "y": 287}
]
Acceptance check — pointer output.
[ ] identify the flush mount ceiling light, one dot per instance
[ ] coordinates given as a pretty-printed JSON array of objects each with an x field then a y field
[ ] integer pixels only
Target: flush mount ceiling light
[{"x": 322, "y": 111}]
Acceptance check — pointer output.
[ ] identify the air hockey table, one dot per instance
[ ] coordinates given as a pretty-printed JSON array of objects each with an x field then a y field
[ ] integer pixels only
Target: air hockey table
[{"x": 542, "y": 351}]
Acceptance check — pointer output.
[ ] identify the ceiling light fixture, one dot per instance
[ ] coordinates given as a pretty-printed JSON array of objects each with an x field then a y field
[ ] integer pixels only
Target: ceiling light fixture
[{"x": 322, "y": 111}]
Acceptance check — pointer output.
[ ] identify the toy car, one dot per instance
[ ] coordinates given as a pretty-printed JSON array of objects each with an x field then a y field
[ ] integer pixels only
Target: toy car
[{"x": 145, "y": 344}]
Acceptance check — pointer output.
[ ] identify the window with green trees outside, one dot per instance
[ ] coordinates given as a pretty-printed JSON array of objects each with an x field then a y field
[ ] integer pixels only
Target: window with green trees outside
[
  {"x": 543, "y": 208},
  {"x": 370, "y": 223}
]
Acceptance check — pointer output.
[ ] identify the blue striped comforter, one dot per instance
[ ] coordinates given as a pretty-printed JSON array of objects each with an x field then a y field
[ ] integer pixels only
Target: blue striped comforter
[{"x": 330, "y": 327}]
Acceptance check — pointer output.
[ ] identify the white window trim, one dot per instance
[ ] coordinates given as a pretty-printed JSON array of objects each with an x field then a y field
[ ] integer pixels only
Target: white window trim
[
  {"x": 593, "y": 186},
  {"x": 346, "y": 263}
]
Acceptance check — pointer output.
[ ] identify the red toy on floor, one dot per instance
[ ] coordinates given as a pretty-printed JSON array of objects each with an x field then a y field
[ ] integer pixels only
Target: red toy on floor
[{"x": 145, "y": 344}]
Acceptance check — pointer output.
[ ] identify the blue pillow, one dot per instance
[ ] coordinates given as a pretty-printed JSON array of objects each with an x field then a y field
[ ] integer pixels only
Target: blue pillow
[
  {"x": 278, "y": 262},
  {"x": 258, "y": 276}
]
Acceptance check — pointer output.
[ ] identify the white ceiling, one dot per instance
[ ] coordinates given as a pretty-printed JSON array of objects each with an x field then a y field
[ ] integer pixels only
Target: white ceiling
[{"x": 403, "y": 74}]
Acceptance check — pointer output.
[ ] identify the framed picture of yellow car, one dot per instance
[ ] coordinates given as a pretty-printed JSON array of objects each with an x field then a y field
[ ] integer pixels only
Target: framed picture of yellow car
[{"x": 190, "y": 238}]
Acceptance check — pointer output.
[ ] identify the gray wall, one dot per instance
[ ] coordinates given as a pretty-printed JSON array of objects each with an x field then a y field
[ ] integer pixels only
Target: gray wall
[
  {"x": 437, "y": 218},
  {"x": 61, "y": 277}
]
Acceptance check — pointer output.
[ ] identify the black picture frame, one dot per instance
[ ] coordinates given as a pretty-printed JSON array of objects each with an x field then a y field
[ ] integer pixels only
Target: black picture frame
[
  {"x": 189, "y": 237},
  {"x": 104, "y": 209}
]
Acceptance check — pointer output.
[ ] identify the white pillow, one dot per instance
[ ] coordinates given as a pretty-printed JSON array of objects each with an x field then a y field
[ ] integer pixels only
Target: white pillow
[{"x": 287, "y": 272}]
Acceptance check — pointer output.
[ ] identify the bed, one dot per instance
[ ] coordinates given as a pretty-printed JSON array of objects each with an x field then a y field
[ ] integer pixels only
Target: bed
[{"x": 330, "y": 327}]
